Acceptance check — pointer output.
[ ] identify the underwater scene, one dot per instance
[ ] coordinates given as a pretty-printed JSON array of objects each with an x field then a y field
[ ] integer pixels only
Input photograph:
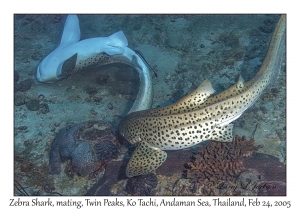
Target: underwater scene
[{"x": 149, "y": 105}]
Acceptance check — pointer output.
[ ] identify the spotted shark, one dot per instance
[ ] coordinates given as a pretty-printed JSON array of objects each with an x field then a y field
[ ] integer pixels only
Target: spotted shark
[
  {"x": 198, "y": 116},
  {"x": 73, "y": 55}
]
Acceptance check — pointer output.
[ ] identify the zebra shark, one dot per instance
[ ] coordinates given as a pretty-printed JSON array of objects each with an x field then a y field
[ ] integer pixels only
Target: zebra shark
[
  {"x": 198, "y": 116},
  {"x": 72, "y": 56}
]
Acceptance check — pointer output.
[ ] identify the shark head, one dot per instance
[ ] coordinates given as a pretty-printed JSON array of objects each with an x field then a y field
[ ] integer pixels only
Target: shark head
[
  {"x": 45, "y": 75},
  {"x": 50, "y": 68}
]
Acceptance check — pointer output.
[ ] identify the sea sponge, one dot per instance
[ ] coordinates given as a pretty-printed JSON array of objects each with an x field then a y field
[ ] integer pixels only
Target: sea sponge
[
  {"x": 89, "y": 146},
  {"x": 219, "y": 161}
]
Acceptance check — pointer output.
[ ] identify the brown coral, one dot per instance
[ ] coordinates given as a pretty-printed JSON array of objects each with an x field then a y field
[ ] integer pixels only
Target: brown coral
[{"x": 219, "y": 161}]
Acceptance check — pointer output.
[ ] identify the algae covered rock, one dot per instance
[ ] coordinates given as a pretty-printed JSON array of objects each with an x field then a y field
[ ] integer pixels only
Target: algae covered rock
[
  {"x": 89, "y": 145},
  {"x": 141, "y": 185},
  {"x": 24, "y": 85},
  {"x": 19, "y": 99}
]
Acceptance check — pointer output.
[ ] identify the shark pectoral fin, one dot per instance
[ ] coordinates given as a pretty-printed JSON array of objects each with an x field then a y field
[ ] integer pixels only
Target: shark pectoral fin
[
  {"x": 119, "y": 39},
  {"x": 144, "y": 160},
  {"x": 223, "y": 133},
  {"x": 68, "y": 67},
  {"x": 116, "y": 44}
]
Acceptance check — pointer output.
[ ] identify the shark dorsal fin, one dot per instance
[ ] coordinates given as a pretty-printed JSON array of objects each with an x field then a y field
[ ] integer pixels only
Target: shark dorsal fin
[
  {"x": 188, "y": 103},
  {"x": 234, "y": 90}
]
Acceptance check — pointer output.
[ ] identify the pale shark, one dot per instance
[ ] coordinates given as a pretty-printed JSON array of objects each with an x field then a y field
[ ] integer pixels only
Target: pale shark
[{"x": 73, "y": 55}]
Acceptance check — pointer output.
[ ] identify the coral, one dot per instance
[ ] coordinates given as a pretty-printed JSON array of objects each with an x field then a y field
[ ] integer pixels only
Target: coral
[
  {"x": 89, "y": 146},
  {"x": 141, "y": 185},
  {"x": 219, "y": 161}
]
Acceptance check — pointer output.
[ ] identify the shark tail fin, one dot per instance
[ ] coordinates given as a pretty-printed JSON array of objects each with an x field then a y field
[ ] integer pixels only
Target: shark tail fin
[
  {"x": 71, "y": 32},
  {"x": 144, "y": 160}
]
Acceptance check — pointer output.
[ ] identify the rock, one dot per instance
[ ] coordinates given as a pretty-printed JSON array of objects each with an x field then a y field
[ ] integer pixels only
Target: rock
[
  {"x": 182, "y": 187},
  {"x": 19, "y": 99},
  {"x": 36, "y": 55},
  {"x": 174, "y": 164},
  {"x": 16, "y": 76},
  {"x": 113, "y": 173},
  {"x": 230, "y": 40},
  {"x": 89, "y": 145},
  {"x": 24, "y": 85},
  {"x": 33, "y": 104},
  {"x": 141, "y": 185},
  {"x": 102, "y": 79},
  {"x": 110, "y": 106},
  {"x": 90, "y": 90},
  {"x": 44, "y": 108},
  {"x": 269, "y": 167},
  {"x": 22, "y": 128},
  {"x": 268, "y": 26},
  {"x": 125, "y": 75},
  {"x": 272, "y": 188}
]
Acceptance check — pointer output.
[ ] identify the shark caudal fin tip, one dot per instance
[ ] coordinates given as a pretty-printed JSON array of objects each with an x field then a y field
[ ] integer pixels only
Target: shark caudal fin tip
[{"x": 71, "y": 32}]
